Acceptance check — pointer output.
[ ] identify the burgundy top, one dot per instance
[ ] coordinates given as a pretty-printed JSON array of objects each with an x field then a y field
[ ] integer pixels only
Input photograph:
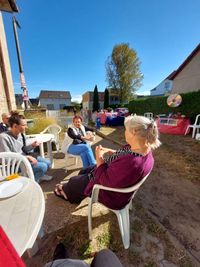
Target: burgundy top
[{"x": 123, "y": 172}]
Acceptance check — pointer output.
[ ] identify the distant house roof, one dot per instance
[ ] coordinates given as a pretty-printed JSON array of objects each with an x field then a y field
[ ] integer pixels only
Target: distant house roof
[
  {"x": 188, "y": 59},
  {"x": 171, "y": 75},
  {"x": 54, "y": 94},
  {"x": 34, "y": 101},
  {"x": 90, "y": 94},
  {"x": 8, "y": 6}
]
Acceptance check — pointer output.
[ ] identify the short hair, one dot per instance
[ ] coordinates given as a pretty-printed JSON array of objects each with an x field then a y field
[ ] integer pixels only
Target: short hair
[
  {"x": 15, "y": 118},
  {"x": 77, "y": 117},
  {"x": 5, "y": 115},
  {"x": 144, "y": 128}
]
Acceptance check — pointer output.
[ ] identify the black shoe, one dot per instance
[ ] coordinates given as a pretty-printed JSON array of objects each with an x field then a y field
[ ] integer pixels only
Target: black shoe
[{"x": 60, "y": 252}]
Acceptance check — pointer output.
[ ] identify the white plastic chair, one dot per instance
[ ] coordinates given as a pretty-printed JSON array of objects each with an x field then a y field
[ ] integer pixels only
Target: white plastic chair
[
  {"x": 64, "y": 147},
  {"x": 54, "y": 129},
  {"x": 122, "y": 215},
  {"x": 195, "y": 126},
  {"x": 149, "y": 115},
  {"x": 11, "y": 163},
  {"x": 197, "y": 136}
]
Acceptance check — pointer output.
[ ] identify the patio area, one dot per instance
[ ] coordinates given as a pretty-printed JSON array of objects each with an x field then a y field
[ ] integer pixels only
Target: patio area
[{"x": 164, "y": 227}]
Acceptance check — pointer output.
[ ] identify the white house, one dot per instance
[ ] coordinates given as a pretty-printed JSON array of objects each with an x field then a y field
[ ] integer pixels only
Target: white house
[
  {"x": 164, "y": 87},
  {"x": 54, "y": 100}
]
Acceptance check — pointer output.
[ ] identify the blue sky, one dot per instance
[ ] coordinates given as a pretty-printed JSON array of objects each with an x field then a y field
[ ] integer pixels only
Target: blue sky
[{"x": 64, "y": 44}]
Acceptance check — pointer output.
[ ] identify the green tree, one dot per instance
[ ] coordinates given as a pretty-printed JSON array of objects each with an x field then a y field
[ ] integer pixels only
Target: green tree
[
  {"x": 106, "y": 99},
  {"x": 95, "y": 99},
  {"x": 123, "y": 71}
]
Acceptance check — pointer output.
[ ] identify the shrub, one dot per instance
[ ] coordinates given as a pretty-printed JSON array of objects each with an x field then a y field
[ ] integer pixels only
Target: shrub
[
  {"x": 40, "y": 125},
  {"x": 158, "y": 105}
]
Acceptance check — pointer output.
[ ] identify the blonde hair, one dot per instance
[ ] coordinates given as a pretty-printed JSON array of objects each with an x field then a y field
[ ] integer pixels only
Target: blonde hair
[{"x": 145, "y": 128}]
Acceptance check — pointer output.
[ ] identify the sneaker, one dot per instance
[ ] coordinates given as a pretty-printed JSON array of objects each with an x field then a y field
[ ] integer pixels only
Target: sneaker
[{"x": 46, "y": 178}]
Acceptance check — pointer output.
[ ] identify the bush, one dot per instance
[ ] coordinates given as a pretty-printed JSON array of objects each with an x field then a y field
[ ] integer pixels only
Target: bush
[
  {"x": 158, "y": 105},
  {"x": 40, "y": 125}
]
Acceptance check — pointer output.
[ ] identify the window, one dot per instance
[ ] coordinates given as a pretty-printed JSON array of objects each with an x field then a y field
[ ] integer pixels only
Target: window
[
  {"x": 50, "y": 106},
  {"x": 62, "y": 106},
  {"x": 166, "y": 85}
]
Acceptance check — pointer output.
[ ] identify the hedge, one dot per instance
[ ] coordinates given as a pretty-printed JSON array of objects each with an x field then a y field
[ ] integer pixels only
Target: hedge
[{"x": 189, "y": 107}]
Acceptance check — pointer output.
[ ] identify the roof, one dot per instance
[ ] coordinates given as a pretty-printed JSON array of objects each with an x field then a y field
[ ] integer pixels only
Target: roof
[
  {"x": 55, "y": 94},
  {"x": 92, "y": 92},
  {"x": 187, "y": 61},
  {"x": 8, "y": 6},
  {"x": 171, "y": 75},
  {"x": 34, "y": 101}
]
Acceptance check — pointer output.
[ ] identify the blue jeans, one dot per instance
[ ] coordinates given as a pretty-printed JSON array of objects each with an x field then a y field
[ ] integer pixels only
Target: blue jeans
[
  {"x": 40, "y": 168},
  {"x": 85, "y": 152}
]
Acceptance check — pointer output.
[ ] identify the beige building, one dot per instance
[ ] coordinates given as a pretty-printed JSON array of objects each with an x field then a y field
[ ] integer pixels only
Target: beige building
[
  {"x": 87, "y": 98},
  {"x": 187, "y": 76},
  {"x": 7, "y": 97}
]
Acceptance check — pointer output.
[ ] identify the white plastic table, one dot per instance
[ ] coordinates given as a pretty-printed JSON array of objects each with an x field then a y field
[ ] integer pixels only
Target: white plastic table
[
  {"x": 22, "y": 215},
  {"x": 42, "y": 138}
]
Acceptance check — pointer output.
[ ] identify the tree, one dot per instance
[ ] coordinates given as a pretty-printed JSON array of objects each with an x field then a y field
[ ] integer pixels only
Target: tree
[
  {"x": 95, "y": 99},
  {"x": 123, "y": 71},
  {"x": 106, "y": 99}
]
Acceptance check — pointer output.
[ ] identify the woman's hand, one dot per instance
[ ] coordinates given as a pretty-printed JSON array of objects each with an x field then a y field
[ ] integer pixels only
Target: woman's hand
[
  {"x": 32, "y": 160},
  {"x": 108, "y": 151},
  {"x": 99, "y": 152},
  {"x": 35, "y": 144},
  {"x": 87, "y": 137}
]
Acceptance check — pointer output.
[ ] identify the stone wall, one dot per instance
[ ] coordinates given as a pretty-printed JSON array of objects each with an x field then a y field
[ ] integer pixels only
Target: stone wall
[{"x": 7, "y": 96}]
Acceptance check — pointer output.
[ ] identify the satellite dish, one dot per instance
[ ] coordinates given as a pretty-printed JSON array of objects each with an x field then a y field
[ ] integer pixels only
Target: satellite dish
[{"x": 174, "y": 100}]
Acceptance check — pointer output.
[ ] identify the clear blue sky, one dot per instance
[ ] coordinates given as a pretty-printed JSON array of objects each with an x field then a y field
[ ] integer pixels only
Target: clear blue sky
[{"x": 64, "y": 44}]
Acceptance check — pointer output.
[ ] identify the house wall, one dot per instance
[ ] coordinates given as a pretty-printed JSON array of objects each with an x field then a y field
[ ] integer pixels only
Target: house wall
[
  {"x": 188, "y": 80},
  {"x": 89, "y": 104},
  {"x": 54, "y": 104},
  {"x": 7, "y": 97},
  {"x": 163, "y": 88},
  {"x": 87, "y": 100}
]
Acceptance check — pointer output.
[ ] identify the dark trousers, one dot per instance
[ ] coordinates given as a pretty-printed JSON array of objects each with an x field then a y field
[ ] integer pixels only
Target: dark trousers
[
  {"x": 105, "y": 258},
  {"x": 76, "y": 185}
]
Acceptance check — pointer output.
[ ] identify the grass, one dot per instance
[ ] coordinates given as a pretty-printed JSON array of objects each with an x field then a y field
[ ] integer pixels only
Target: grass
[
  {"x": 85, "y": 250},
  {"x": 104, "y": 240},
  {"x": 40, "y": 124}
]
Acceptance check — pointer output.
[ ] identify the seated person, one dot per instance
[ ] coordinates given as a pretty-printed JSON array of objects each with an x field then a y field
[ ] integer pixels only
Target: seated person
[
  {"x": 79, "y": 146},
  {"x": 12, "y": 141},
  {"x": 123, "y": 168},
  {"x": 103, "y": 258},
  {"x": 4, "y": 124}
]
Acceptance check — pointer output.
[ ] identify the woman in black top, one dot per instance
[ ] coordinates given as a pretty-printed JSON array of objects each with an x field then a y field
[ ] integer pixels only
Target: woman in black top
[{"x": 78, "y": 132}]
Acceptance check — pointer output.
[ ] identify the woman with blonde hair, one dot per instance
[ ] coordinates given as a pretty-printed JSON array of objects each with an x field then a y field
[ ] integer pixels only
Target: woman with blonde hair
[{"x": 122, "y": 168}]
